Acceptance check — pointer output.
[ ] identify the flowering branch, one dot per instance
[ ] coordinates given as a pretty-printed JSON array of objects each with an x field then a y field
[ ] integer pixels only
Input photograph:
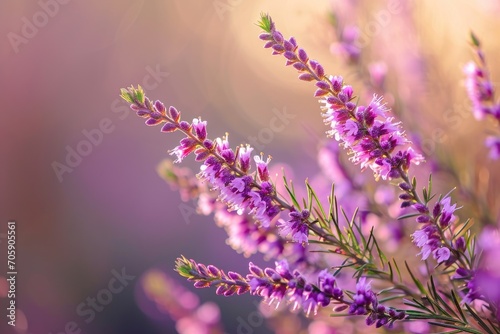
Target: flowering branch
[
  {"x": 279, "y": 283},
  {"x": 374, "y": 141}
]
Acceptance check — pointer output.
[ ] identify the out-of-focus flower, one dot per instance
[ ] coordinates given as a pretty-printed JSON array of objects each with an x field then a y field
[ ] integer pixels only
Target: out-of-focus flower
[
  {"x": 173, "y": 300},
  {"x": 488, "y": 275},
  {"x": 493, "y": 143},
  {"x": 479, "y": 90},
  {"x": 482, "y": 94},
  {"x": 347, "y": 45},
  {"x": 378, "y": 73}
]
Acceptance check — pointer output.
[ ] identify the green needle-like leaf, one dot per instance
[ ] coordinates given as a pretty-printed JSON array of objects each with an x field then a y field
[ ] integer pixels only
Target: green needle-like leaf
[
  {"x": 474, "y": 40},
  {"x": 417, "y": 282},
  {"x": 265, "y": 22}
]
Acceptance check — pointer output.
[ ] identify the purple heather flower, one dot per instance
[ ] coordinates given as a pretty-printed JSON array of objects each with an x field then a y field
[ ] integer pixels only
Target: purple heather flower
[
  {"x": 280, "y": 283},
  {"x": 244, "y": 157},
  {"x": 471, "y": 290},
  {"x": 370, "y": 135},
  {"x": 225, "y": 150},
  {"x": 378, "y": 73},
  {"x": 262, "y": 167},
  {"x": 447, "y": 211},
  {"x": 283, "y": 268},
  {"x": 427, "y": 250},
  {"x": 347, "y": 45},
  {"x": 493, "y": 143},
  {"x": 187, "y": 146},
  {"x": 487, "y": 282},
  {"x": 296, "y": 226},
  {"x": 327, "y": 284},
  {"x": 479, "y": 89},
  {"x": 277, "y": 284},
  {"x": 428, "y": 238},
  {"x": 364, "y": 299},
  {"x": 460, "y": 244},
  {"x": 487, "y": 276},
  {"x": 441, "y": 254},
  {"x": 238, "y": 192},
  {"x": 200, "y": 128},
  {"x": 261, "y": 207},
  {"x": 420, "y": 238},
  {"x": 246, "y": 237}
]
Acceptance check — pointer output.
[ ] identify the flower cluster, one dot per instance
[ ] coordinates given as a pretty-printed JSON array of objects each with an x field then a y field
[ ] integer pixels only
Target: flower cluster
[
  {"x": 429, "y": 237},
  {"x": 225, "y": 169},
  {"x": 276, "y": 284},
  {"x": 370, "y": 135},
  {"x": 244, "y": 235},
  {"x": 281, "y": 283},
  {"x": 365, "y": 302},
  {"x": 297, "y": 225},
  {"x": 482, "y": 94},
  {"x": 248, "y": 238}
]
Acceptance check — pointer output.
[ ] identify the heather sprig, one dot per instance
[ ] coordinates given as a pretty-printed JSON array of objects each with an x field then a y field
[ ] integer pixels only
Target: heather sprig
[
  {"x": 368, "y": 132},
  {"x": 374, "y": 140},
  {"x": 282, "y": 284},
  {"x": 429, "y": 238},
  {"x": 227, "y": 170},
  {"x": 244, "y": 234},
  {"x": 206, "y": 276}
]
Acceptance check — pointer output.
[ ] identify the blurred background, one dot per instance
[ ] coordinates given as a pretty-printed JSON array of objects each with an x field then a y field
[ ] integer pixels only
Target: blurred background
[{"x": 84, "y": 219}]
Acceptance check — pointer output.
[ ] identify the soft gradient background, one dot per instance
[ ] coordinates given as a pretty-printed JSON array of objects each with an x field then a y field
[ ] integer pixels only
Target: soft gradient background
[{"x": 113, "y": 211}]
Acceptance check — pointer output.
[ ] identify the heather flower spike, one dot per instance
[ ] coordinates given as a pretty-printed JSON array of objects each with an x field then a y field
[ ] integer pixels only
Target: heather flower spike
[
  {"x": 325, "y": 259},
  {"x": 371, "y": 136},
  {"x": 283, "y": 284},
  {"x": 244, "y": 235}
]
